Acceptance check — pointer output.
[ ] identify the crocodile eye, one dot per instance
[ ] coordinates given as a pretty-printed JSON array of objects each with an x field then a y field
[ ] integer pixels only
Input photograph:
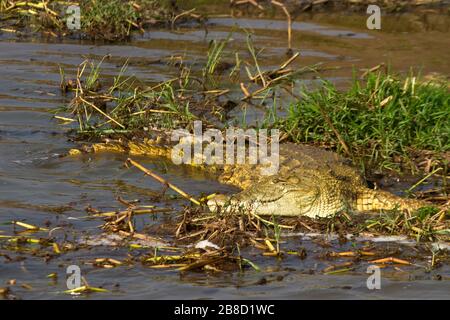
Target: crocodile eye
[
  {"x": 293, "y": 180},
  {"x": 277, "y": 180}
]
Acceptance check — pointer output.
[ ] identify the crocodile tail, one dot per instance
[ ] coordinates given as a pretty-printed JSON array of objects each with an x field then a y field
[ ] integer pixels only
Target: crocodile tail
[{"x": 373, "y": 200}]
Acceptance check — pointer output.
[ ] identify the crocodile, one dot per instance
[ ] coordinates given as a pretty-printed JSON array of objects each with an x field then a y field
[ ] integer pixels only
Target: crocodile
[{"x": 311, "y": 181}]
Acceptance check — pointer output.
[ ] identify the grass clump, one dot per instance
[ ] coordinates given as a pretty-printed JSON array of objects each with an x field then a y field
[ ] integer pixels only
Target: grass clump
[
  {"x": 117, "y": 18},
  {"x": 426, "y": 224},
  {"x": 110, "y": 20},
  {"x": 123, "y": 105},
  {"x": 384, "y": 121}
]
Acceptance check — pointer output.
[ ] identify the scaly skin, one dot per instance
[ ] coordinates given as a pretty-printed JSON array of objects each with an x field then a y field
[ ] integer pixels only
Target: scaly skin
[{"x": 310, "y": 181}]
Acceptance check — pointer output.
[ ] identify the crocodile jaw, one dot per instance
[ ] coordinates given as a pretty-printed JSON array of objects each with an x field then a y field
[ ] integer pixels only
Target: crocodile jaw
[{"x": 288, "y": 205}]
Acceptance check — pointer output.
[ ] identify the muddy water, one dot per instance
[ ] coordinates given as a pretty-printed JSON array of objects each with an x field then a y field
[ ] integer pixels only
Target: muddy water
[{"x": 41, "y": 188}]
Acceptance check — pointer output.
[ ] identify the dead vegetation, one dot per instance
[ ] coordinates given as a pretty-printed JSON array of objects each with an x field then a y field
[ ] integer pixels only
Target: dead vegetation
[
  {"x": 220, "y": 237},
  {"x": 208, "y": 242},
  {"x": 126, "y": 107}
]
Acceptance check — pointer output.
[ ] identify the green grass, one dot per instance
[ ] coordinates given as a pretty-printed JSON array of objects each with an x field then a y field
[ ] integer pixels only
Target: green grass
[
  {"x": 214, "y": 55},
  {"x": 123, "y": 105},
  {"x": 381, "y": 120},
  {"x": 426, "y": 224},
  {"x": 115, "y": 19},
  {"x": 109, "y": 20}
]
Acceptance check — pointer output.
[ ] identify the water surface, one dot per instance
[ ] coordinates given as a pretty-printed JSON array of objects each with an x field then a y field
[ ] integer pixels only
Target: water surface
[{"x": 41, "y": 188}]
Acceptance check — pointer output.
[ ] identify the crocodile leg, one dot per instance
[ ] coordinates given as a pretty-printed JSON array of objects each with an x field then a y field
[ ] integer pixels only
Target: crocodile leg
[{"x": 373, "y": 200}]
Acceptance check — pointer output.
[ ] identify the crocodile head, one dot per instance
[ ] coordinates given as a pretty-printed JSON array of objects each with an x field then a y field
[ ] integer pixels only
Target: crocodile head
[{"x": 297, "y": 194}]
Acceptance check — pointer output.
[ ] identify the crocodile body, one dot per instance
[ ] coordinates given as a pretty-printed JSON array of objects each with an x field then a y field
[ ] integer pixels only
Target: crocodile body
[{"x": 310, "y": 181}]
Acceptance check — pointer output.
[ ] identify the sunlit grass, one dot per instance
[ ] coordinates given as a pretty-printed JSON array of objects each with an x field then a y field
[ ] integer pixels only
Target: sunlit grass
[
  {"x": 123, "y": 106},
  {"x": 109, "y": 20},
  {"x": 381, "y": 120}
]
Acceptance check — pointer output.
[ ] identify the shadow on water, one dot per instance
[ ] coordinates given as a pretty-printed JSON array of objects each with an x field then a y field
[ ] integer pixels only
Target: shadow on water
[{"x": 41, "y": 188}]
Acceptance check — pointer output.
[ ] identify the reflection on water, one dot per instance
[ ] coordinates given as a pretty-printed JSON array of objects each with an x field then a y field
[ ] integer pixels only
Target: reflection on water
[{"x": 41, "y": 188}]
